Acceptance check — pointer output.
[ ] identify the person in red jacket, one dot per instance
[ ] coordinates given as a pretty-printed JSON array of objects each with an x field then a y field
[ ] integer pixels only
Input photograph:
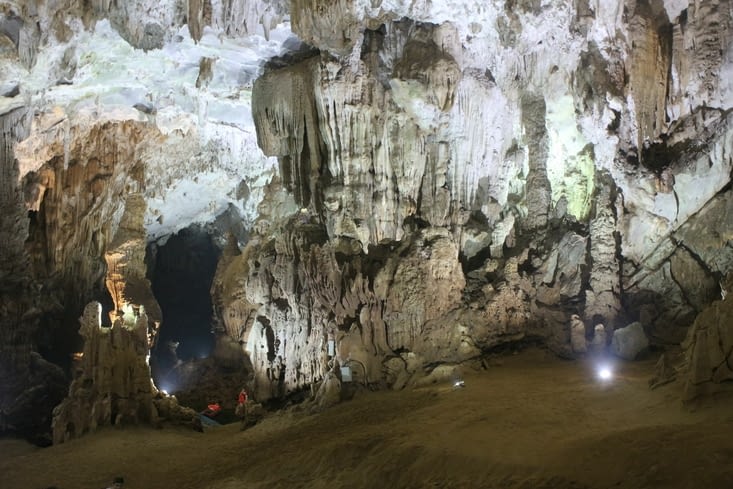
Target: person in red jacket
[{"x": 241, "y": 410}]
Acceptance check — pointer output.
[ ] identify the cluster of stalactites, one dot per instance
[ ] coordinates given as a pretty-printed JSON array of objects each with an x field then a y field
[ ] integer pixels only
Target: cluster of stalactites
[{"x": 235, "y": 17}]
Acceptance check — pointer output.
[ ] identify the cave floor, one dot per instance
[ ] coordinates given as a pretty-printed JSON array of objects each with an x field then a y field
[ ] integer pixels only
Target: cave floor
[{"x": 532, "y": 422}]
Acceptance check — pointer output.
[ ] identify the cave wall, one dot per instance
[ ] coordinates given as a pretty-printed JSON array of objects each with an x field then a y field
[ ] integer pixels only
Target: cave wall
[
  {"x": 450, "y": 178},
  {"x": 84, "y": 194},
  {"x": 465, "y": 181},
  {"x": 111, "y": 376}
]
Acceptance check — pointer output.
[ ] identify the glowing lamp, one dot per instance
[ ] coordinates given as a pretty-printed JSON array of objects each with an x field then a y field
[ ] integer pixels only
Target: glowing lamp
[{"x": 604, "y": 373}]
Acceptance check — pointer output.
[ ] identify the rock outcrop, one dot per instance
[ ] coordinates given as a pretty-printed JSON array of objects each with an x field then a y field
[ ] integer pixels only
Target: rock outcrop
[
  {"x": 707, "y": 366},
  {"x": 29, "y": 385}
]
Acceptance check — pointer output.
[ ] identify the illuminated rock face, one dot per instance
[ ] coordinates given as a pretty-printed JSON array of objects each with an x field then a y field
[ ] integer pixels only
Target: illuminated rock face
[
  {"x": 438, "y": 178},
  {"x": 568, "y": 156}
]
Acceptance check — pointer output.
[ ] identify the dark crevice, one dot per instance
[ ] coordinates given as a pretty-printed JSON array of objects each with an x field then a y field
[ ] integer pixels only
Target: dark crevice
[{"x": 181, "y": 272}]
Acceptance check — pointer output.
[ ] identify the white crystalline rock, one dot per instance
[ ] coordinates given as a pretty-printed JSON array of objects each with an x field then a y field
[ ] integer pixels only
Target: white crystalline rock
[
  {"x": 410, "y": 96},
  {"x": 207, "y": 150},
  {"x": 653, "y": 215},
  {"x": 578, "y": 341},
  {"x": 570, "y": 172},
  {"x": 484, "y": 152},
  {"x": 725, "y": 76},
  {"x": 482, "y": 126}
]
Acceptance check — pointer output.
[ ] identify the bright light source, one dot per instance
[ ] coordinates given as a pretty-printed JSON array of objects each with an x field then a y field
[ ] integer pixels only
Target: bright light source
[
  {"x": 604, "y": 373},
  {"x": 164, "y": 392}
]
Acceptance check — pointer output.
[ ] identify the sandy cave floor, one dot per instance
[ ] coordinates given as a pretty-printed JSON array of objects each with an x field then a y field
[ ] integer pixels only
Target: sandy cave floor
[{"x": 532, "y": 422}]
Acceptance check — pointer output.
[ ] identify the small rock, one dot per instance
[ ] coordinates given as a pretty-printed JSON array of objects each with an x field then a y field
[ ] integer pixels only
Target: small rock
[
  {"x": 628, "y": 342},
  {"x": 10, "y": 91},
  {"x": 145, "y": 108}
]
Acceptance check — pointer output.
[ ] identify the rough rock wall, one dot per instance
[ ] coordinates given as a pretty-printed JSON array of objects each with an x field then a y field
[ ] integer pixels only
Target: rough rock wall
[
  {"x": 126, "y": 273},
  {"x": 565, "y": 167},
  {"x": 197, "y": 94},
  {"x": 533, "y": 160},
  {"x": 707, "y": 367},
  {"x": 235, "y": 17},
  {"x": 29, "y": 385},
  {"x": 90, "y": 208},
  {"x": 33, "y": 25}
]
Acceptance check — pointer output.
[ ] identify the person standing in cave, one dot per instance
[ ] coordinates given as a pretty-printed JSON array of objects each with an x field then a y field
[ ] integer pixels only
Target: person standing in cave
[{"x": 241, "y": 410}]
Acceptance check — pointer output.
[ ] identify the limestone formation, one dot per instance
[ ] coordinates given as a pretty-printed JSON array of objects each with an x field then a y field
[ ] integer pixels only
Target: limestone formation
[
  {"x": 599, "y": 342},
  {"x": 168, "y": 408},
  {"x": 664, "y": 372},
  {"x": 329, "y": 392},
  {"x": 29, "y": 385},
  {"x": 112, "y": 383},
  {"x": 578, "y": 341}
]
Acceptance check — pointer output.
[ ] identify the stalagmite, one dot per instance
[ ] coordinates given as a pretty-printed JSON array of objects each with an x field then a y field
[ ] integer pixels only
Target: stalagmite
[{"x": 578, "y": 341}]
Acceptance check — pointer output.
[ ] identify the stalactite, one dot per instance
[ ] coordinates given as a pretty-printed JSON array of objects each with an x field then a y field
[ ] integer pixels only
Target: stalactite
[{"x": 287, "y": 126}]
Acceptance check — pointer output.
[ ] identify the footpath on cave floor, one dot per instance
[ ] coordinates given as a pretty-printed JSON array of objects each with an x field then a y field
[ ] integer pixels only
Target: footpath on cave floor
[{"x": 528, "y": 421}]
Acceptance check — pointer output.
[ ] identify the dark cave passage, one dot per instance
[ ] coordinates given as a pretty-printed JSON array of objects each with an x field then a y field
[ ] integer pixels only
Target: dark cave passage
[{"x": 181, "y": 272}]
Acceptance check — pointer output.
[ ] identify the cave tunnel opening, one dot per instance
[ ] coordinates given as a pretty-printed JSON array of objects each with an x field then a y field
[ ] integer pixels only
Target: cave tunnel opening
[{"x": 181, "y": 271}]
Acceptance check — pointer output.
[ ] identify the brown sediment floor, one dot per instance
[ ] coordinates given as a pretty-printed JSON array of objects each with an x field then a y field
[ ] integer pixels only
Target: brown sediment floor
[{"x": 535, "y": 422}]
